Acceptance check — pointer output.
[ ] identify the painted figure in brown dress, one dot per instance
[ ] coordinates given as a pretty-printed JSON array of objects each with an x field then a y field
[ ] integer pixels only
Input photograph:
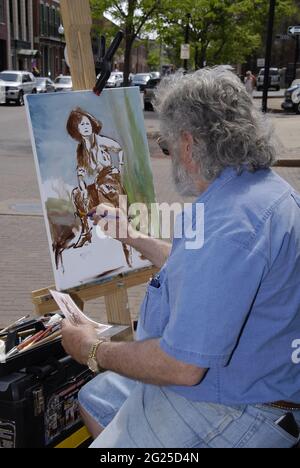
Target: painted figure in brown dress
[{"x": 99, "y": 164}]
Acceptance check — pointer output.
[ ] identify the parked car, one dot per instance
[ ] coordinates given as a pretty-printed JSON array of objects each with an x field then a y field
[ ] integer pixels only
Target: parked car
[
  {"x": 274, "y": 79},
  {"x": 115, "y": 80},
  {"x": 141, "y": 80},
  {"x": 2, "y": 93},
  {"x": 149, "y": 93},
  {"x": 292, "y": 98},
  {"x": 155, "y": 74},
  {"x": 63, "y": 83},
  {"x": 45, "y": 85},
  {"x": 17, "y": 84}
]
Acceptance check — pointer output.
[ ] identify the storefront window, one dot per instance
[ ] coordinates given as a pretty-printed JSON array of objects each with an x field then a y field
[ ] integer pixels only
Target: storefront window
[{"x": 2, "y": 12}]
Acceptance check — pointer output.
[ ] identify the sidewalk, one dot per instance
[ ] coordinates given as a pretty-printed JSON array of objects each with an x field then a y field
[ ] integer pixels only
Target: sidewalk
[
  {"x": 286, "y": 126},
  {"x": 25, "y": 262}
]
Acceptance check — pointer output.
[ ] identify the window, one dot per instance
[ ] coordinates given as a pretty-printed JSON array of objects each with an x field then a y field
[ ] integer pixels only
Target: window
[
  {"x": 57, "y": 22},
  {"x": 46, "y": 20},
  {"x": 27, "y": 18},
  {"x": 11, "y": 15},
  {"x": 63, "y": 80},
  {"x": 2, "y": 11},
  {"x": 42, "y": 14},
  {"x": 10, "y": 76},
  {"x": 52, "y": 21},
  {"x": 19, "y": 15}
]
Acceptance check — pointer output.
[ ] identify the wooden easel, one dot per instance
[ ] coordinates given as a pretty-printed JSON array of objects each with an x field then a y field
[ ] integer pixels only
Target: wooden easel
[
  {"x": 113, "y": 290},
  {"x": 77, "y": 21}
]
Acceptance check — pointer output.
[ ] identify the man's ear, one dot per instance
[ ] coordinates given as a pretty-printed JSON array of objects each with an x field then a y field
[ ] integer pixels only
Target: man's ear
[{"x": 187, "y": 144}]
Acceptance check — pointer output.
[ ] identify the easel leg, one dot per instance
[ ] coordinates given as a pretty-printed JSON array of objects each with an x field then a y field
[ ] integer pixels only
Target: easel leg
[
  {"x": 79, "y": 302},
  {"x": 117, "y": 307}
]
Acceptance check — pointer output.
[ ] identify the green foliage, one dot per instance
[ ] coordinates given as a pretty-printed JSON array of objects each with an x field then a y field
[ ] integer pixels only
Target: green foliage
[
  {"x": 131, "y": 16},
  {"x": 221, "y": 31},
  {"x": 153, "y": 59}
]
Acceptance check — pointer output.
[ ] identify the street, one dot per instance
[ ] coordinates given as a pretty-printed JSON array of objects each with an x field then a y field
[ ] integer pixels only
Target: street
[{"x": 25, "y": 262}]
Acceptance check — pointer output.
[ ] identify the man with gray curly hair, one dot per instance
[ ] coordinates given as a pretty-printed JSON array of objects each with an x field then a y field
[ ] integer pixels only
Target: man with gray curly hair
[
  {"x": 212, "y": 110},
  {"x": 217, "y": 355}
]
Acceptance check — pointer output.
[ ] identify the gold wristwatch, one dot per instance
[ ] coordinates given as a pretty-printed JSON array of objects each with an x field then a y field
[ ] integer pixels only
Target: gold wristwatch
[{"x": 92, "y": 359}]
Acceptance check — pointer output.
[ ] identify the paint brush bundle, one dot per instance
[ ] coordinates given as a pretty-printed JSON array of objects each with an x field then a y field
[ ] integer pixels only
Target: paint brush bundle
[{"x": 23, "y": 335}]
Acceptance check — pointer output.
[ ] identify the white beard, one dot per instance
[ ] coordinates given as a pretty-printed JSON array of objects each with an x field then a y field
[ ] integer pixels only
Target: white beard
[{"x": 184, "y": 182}]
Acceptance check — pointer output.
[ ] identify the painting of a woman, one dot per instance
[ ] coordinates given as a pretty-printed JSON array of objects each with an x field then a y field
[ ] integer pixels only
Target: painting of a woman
[{"x": 99, "y": 166}]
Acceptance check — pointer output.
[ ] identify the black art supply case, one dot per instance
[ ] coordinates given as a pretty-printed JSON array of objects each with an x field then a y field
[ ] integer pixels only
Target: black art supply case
[
  {"x": 34, "y": 356},
  {"x": 39, "y": 405}
]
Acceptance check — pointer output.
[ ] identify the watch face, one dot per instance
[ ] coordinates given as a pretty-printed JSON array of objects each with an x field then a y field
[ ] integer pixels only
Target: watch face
[{"x": 93, "y": 365}]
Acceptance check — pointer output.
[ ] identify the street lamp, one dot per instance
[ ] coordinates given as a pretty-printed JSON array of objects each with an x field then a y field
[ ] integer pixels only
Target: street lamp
[
  {"x": 187, "y": 38},
  {"x": 268, "y": 55},
  {"x": 61, "y": 32}
]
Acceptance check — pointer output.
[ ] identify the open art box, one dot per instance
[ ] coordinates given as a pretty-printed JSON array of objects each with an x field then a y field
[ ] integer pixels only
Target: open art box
[{"x": 89, "y": 150}]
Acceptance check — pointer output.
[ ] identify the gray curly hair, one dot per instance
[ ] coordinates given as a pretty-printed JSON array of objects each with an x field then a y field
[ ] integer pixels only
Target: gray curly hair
[{"x": 214, "y": 106}]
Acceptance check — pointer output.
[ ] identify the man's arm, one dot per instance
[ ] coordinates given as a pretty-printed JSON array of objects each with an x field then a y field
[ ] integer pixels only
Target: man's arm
[
  {"x": 144, "y": 361},
  {"x": 155, "y": 250}
]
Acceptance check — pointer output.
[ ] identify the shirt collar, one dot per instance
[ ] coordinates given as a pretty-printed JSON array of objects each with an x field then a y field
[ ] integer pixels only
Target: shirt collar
[{"x": 228, "y": 174}]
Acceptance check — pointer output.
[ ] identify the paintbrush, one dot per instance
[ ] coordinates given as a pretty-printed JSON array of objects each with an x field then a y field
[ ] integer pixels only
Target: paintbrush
[
  {"x": 17, "y": 322},
  {"x": 30, "y": 340},
  {"x": 50, "y": 338},
  {"x": 41, "y": 337}
]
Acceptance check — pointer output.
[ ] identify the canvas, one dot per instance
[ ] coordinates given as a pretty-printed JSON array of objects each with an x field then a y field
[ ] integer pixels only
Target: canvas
[{"x": 88, "y": 150}]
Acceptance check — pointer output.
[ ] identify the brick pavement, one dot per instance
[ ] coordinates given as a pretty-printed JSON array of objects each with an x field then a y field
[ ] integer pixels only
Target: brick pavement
[{"x": 25, "y": 263}]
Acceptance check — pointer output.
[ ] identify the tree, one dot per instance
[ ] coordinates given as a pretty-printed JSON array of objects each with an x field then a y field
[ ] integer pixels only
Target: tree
[
  {"x": 153, "y": 58},
  {"x": 221, "y": 31},
  {"x": 132, "y": 16}
]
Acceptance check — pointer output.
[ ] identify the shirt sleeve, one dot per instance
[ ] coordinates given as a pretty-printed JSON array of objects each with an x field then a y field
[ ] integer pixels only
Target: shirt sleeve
[{"x": 211, "y": 293}]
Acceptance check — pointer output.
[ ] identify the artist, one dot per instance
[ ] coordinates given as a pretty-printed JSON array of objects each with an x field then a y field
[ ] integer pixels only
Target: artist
[{"x": 212, "y": 365}]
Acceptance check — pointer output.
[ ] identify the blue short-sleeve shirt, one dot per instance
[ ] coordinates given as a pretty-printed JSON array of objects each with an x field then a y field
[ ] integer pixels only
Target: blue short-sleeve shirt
[{"x": 233, "y": 305}]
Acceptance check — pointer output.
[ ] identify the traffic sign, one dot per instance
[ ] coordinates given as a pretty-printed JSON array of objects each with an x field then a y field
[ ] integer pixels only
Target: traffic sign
[
  {"x": 284, "y": 37},
  {"x": 185, "y": 52},
  {"x": 261, "y": 62},
  {"x": 294, "y": 30}
]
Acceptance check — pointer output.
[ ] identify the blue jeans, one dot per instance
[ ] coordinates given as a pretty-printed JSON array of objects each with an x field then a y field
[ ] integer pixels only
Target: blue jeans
[{"x": 137, "y": 415}]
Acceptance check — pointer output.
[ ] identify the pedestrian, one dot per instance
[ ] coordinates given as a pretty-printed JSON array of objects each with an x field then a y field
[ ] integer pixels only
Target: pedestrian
[
  {"x": 216, "y": 359},
  {"x": 36, "y": 72},
  {"x": 250, "y": 82}
]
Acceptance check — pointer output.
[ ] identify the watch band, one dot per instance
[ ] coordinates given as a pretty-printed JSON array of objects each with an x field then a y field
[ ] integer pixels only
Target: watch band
[{"x": 93, "y": 352}]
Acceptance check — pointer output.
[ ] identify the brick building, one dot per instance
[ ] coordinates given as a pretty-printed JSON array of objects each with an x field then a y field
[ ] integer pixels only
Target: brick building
[
  {"x": 17, "y": 34},
  {"x": 29, "y": 36},
  {"x": 3, "y": 35},
  {"x": 139, "y": 58},
  {"x": 48, "y": 40}
]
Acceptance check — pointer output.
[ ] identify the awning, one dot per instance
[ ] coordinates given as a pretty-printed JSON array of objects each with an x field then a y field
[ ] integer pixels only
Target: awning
[{"x": 28, "y": 52}]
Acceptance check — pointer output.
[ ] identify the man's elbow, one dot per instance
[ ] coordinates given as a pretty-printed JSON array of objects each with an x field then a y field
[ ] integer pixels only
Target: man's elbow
[{"x": 192, "y": 376}]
